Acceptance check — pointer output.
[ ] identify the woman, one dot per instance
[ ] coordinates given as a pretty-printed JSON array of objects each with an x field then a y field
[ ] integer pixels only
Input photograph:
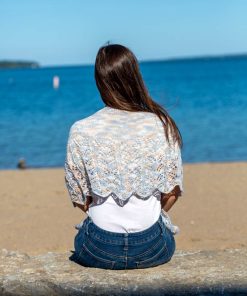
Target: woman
[{"x": 123, "y": 166}]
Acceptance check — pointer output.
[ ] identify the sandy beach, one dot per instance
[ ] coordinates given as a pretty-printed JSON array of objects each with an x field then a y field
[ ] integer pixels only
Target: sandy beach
[{"x": 36, "y": 214}]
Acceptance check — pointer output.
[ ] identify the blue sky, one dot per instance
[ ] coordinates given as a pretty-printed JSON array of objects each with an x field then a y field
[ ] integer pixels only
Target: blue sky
[{"x": 57, "y": 32}]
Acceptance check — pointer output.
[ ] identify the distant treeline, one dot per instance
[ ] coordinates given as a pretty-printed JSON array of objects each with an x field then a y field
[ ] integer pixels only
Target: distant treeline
[
  {"x": 18, "y": 64},
  {"x": 199, "y": 58}
]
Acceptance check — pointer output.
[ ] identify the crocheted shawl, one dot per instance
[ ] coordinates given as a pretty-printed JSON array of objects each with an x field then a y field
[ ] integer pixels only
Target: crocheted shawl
[{"x": 121, "y": 154}]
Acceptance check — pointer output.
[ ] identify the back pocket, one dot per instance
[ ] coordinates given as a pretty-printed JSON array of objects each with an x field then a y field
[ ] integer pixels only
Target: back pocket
[
  {"x": 161, "y": 256},
  {"x": 89, "y": 259}
]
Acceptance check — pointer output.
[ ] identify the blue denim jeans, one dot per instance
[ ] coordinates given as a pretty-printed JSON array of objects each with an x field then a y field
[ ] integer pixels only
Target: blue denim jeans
[{"x": 96, "y": 247}]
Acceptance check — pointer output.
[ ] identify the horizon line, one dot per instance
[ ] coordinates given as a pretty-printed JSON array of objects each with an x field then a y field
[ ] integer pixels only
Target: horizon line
[
  {"x": 141, "y": 61},
  {"x": 169, "y": 59}
]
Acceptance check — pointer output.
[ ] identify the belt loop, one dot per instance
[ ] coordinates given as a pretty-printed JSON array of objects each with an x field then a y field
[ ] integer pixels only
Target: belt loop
[
  {"x": 89, "y": 220},
  {"x": 162, "y": 226}
]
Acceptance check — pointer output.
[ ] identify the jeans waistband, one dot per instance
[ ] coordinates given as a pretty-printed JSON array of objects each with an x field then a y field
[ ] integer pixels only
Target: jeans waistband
[{"x": 88, "y": 221}]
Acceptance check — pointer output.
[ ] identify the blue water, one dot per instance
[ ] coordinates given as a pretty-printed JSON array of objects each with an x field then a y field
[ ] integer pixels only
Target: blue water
[{"x": 206, "y": 98}]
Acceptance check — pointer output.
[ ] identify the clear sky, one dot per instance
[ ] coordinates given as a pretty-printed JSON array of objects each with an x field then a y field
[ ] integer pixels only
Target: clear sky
[{"x": 57, "y": 32}]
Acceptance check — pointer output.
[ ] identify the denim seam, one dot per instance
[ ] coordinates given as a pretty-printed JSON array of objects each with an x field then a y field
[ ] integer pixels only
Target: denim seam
[
  {"x": 103, "y": 252},
  {"x": 162, "y": 226},
  {"x": 126, "y": 250},
  {"x": 155, "y": 263},
  {"x": 145, "y": 240},
  {"x": 153, "y": 257},
  {"x": 85, "y": 249},
  {"x": 148, "y": 251}
]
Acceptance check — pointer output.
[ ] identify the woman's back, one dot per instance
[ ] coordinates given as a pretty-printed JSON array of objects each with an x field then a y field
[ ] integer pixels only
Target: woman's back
[
  {"x": 122, "y": 159},
  {"x": 119, "y": 161}
]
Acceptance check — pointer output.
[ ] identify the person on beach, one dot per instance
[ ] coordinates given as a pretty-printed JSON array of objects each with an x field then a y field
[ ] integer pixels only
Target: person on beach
[
  {"x": 123, "y": 168},
  {"x": 21, "y": 164}
]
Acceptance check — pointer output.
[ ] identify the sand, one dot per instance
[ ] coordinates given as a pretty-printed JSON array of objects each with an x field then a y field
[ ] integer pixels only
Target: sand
[{"x": 36, "y": 214}]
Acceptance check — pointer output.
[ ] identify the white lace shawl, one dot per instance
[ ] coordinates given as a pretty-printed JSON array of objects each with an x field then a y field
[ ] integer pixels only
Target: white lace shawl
[{"x": 120, "y": 153}]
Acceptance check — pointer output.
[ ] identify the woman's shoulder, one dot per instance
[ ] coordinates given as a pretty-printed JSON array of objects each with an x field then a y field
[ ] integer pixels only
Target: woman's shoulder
[
  {"x": 112, "y": 123},
  {"x": 86, "y": 122}
]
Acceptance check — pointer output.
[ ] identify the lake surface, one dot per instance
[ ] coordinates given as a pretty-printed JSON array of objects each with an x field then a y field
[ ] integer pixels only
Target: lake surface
[{"x": 206, "y": 97}]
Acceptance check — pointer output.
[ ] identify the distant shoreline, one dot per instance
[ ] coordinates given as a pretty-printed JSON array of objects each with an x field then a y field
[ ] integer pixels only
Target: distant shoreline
[
  {"x": 166, "y": 60},
  {"x": 198, "y": 58},
  {"x": 6, "y": 64}
]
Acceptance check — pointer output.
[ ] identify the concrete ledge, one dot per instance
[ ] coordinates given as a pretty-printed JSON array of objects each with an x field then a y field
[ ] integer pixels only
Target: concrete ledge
[{"x": 188, "y": 273}]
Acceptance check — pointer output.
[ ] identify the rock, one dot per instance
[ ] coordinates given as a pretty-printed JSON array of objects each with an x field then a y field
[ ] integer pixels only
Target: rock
[{"x": 188, "y": 273}]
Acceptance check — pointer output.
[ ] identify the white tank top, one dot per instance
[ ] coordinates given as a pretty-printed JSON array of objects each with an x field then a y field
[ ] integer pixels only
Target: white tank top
[{"x": 111, "y": 217}]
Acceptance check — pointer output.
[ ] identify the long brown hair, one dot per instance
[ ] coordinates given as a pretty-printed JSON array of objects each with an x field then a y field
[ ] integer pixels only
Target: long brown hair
[{"x": 121, "y": 86}]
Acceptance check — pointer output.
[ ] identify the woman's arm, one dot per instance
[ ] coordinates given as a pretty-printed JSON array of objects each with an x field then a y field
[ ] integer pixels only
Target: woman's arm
[
  {"x": 168, "y": 202},
  {"x": 169, "y": 199},
  {"x": 76, "y": 178},
  {"x": 85, "y": 207}
]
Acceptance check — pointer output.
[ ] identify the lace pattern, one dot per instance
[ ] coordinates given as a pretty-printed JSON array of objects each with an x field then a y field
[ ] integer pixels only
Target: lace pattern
[{"x": 121, "y": 154}]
